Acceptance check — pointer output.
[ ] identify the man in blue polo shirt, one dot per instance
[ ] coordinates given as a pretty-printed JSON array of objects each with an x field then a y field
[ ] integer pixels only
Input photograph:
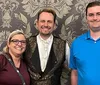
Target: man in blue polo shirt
[{"x": 85, "y": 50}]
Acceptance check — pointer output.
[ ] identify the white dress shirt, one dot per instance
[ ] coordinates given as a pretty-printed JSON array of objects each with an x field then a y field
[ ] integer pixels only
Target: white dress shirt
[
  {"x": 44, "y": 47},
  {"x": 67, "y": 54}
]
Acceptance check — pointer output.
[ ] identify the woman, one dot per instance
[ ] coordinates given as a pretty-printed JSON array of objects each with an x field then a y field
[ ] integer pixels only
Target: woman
[{"x": 13, "y": 70}]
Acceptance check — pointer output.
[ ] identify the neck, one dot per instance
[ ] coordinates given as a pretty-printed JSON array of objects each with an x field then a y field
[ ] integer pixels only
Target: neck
[
  {"x": 45, "y": 36},
  {"x": 95, "y": 35},
  {"x": 16, "y": 60}
]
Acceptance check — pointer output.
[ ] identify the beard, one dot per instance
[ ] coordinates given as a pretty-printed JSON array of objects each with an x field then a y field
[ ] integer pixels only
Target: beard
[
  {"x": 95, "y": 29},
  {"x": 45, "y": 34},
  {"x": 47, "y": 30}
]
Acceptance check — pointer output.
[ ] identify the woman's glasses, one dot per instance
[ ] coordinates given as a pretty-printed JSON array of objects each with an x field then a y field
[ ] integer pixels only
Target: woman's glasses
[{"x": 16, "y": 41}]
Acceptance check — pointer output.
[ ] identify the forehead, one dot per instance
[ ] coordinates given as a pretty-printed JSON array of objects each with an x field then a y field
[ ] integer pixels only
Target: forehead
[
  {"x": 18, "y": 36},
  {"x": 94, "y": 9},
  {"x": 46, "y": 15}
]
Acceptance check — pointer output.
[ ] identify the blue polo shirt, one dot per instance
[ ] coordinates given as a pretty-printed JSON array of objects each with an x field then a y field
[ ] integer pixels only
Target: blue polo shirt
[{"x": 85, "y": 58}]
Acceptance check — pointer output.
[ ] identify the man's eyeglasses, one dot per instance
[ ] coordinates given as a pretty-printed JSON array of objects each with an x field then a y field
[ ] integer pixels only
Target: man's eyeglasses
[{"x": 15, "y": 41}]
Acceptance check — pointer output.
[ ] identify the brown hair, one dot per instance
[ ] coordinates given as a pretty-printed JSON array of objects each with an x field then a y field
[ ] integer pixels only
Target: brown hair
[
  {"x": 92, "y": 4},
  {"x": 49, "y": 11}
]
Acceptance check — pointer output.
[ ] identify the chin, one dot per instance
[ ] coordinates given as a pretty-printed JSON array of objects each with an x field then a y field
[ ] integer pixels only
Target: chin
[
  {"x": 45, "y": 33},
  {"x": 19, "y": 53}
]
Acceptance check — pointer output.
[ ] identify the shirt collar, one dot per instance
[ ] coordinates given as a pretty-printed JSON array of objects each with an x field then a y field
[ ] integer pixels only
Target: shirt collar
[
  {"x": 88, "y": 35},
  {"x": 50, "y": 39}
]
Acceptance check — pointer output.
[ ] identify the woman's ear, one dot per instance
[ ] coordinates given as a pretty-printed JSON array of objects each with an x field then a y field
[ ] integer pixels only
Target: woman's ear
[{"x": 7, "y": 44}]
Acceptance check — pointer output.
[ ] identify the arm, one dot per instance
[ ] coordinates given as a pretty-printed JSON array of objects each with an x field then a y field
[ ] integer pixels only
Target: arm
[
  {"x": 67, "y": 55},
  {"x": 67, "y": 70},
  {"x": 2, "y": 61},
  {"x": 73, "y": 65},
  {"x": 74, "y": 77}
]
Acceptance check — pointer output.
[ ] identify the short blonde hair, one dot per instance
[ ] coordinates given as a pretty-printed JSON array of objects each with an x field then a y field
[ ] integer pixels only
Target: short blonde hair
[{"x": 13, "y": 33}]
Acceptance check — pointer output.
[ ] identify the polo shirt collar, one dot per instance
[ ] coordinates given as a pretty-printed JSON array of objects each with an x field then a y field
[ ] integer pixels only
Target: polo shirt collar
[{"x": 88, "y": 36}]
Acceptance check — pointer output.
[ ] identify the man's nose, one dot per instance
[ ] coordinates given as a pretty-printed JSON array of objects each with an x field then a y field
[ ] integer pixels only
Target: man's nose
[
  {"x": 46, "y": 23},
  {"x": 95, "y": 17}
]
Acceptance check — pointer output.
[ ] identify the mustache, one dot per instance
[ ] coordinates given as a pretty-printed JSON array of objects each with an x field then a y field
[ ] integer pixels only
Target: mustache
[
  {"x": 45, "y": 26},
  {"x": 95, "y": 21}
]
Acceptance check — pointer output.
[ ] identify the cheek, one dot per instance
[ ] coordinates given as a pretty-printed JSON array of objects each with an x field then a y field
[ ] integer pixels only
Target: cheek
[
  {"x": 53, "y": 27},
  {"x": 89, "y": 19},
  {"x": 39, "y": 26},
  {"x": 25, "y": 47},
  {"x": 89, "y": 23}
]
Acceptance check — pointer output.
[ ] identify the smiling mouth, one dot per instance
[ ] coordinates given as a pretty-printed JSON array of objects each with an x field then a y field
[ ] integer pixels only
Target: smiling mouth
[
  {"x": 94, "y": 21},
  {"x": 20, "y": 49},
  {"x": 46, "y": 27}
]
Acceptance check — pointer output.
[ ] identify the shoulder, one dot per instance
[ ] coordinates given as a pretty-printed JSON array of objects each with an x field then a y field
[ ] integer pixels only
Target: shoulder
[
  {"x": 58, "y": 38},
  {"x": 81, "y": 37},
  {"x": 2, "y": 55},
  {"x": 78, "y": 41},
  {"x": 31, "y": 39},
  {"x": 3, "y": 60},
  {"x": 58, "y": 41}
]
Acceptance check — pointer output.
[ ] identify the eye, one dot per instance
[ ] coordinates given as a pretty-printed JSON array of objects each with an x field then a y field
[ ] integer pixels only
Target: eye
[
  {"x": 42, "y": 21},
  {"x": 23, "y": 41},
  {"x": 98, "y": 14},
  {"x": 14, "y": 40},
  {"x": 90, "y": 15},
  {"x": 49, "y": 21},
  {"x": 18, "y": 41}
]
